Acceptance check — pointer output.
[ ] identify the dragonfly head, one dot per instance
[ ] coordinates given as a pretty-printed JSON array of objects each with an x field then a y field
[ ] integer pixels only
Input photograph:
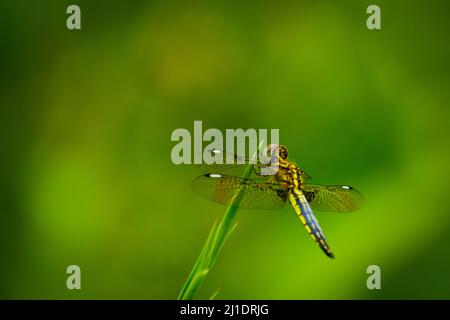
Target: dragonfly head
[{"x": 282, "y": 151}]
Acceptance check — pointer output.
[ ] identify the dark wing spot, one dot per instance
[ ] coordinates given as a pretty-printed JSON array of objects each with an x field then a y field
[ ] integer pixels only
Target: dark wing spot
[
  {"x": 283, "y": 194},
  {"x": 310, "y": 196}
]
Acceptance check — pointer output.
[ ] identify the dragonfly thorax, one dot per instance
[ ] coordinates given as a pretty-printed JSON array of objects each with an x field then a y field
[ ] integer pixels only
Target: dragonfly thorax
[{"x": 289, "y": 175}]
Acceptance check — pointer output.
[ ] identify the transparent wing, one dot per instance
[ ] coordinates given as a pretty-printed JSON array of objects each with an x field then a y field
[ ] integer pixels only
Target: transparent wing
[
  {"x": 235, "y": 165},
  {"x": 339, "y": 198},
  {"x": 250, "y": 194}
]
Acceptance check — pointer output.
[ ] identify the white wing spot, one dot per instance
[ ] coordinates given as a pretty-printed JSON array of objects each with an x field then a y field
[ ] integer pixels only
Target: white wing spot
[
  {"x": 346, "y": 187},
  {"x": 215, "y": 175}
]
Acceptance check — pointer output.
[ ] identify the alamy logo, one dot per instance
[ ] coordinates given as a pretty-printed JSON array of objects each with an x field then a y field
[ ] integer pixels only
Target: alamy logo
[
  {"x": 374, "y": 20},
  {"x": 74, "y": 279},
  {"x": 374, "y": 280},
  {"x": 73, "y": 21},
  {"x": 189, "y": 148}
]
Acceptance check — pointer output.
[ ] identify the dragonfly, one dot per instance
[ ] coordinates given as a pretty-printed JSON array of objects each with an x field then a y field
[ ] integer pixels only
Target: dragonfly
[{"x": 240, "y": 182}]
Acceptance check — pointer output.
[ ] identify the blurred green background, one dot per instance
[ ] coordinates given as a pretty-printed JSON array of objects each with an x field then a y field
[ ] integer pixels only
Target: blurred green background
[{"x": 86, "y": 119}]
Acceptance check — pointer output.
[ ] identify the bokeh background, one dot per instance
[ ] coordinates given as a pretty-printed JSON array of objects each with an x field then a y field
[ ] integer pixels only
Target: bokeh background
[{"x": 86, "y": 118}]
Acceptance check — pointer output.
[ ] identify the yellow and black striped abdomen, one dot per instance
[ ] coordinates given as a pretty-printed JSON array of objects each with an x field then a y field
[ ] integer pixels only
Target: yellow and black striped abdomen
[{"x": 306, "y": 216}]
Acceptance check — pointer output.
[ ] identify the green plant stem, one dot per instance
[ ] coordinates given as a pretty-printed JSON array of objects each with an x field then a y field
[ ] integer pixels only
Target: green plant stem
[
  {"x": 211, "y": 249},
  {"x": 209, "y": 253}
]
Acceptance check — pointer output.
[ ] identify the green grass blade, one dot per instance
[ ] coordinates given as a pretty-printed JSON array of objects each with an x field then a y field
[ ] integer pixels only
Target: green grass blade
[
  {"x": 214, "y": 243},
  {"x": 214, "y": 295}
]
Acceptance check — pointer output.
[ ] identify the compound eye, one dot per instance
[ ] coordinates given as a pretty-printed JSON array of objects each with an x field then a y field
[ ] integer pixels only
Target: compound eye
[{"x": 283, "y": 152}]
